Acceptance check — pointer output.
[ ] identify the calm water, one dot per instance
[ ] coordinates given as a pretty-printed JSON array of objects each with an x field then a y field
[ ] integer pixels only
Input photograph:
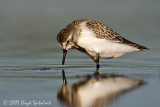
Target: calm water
[{"x": 28, "y": 45}]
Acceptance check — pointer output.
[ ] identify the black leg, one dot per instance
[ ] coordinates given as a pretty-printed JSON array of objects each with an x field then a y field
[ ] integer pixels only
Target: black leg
[
  {"x": 97, "y": 69},
  {"x": 97, "y": 66}
]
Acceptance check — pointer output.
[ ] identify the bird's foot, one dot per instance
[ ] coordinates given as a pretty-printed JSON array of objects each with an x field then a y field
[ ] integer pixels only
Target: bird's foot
[{"x": 97, "y": 66}]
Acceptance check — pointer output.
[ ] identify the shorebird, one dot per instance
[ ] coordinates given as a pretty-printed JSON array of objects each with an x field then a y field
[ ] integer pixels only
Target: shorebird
[{"x": 96, "y": 40}]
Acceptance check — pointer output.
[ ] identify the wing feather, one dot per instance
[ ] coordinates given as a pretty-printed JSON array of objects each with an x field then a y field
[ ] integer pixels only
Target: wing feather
[{"x": 105, "y": 32}]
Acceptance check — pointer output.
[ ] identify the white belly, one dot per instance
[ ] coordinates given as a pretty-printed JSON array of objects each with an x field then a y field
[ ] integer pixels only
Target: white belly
[{"x": 105, "y": 48}]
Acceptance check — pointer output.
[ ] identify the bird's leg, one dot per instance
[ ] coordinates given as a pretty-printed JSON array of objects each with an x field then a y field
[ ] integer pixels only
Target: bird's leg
[
  {"x": 97, "y": 61},
  {"x": 98, "y": 66}
]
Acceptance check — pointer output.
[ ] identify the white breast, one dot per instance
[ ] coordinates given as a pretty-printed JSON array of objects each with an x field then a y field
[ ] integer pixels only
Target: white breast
[{"x": 105, "y": 48}]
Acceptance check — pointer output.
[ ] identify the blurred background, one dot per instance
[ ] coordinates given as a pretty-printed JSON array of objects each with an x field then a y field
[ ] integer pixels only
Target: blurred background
[{"x": 28, "y": 30}]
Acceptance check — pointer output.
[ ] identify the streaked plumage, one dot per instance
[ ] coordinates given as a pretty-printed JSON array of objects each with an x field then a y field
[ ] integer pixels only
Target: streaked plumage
[{"x": 96, "y": 40}]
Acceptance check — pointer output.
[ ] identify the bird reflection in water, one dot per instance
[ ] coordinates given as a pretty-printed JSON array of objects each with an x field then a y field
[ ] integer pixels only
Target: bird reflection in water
[{"x": 95, "y": 90}]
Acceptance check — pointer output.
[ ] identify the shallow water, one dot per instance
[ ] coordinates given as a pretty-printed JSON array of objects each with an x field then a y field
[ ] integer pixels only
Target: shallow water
[{"x": 30, "y": 58}]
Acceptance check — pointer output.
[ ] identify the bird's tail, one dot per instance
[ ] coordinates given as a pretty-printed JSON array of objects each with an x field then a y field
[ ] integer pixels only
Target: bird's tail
[{"x": 142, "y": 48}]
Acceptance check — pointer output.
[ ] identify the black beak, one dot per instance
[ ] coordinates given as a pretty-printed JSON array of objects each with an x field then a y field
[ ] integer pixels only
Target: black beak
[{"x": 64, "y": 56}]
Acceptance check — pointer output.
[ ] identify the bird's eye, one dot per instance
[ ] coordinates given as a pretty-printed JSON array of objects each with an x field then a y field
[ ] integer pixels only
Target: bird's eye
[{"x": 67, "y": 41}]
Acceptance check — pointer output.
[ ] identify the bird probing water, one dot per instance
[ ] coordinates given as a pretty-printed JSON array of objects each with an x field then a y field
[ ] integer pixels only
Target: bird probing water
[{"x": 96, "y": 40}]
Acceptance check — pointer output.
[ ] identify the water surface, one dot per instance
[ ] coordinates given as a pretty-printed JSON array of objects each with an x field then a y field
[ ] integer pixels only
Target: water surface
[{"x": 30, "y": 58}]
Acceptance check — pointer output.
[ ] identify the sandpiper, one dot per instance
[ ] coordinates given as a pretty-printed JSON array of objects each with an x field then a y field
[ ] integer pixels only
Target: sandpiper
[{"x": 96, "y": 40}]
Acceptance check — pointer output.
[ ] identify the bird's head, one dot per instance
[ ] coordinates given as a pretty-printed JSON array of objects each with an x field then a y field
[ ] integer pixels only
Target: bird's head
[{"x": 65, "y": 40}]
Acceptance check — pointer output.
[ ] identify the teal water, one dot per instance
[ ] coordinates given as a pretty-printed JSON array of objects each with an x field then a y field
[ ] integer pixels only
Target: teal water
[{"x": 28, "y": 45}]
